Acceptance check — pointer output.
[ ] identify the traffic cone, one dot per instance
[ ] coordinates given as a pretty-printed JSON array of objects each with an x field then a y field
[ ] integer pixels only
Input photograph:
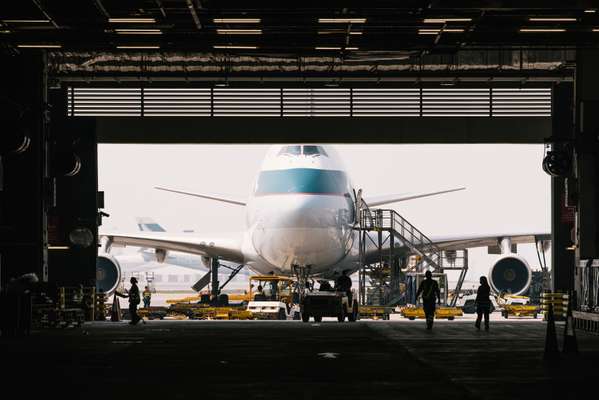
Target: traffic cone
[
  {"x": 551, "y": 349},
  {"x": 115, "y": 311},
  {"x": 570, "y": 342}
]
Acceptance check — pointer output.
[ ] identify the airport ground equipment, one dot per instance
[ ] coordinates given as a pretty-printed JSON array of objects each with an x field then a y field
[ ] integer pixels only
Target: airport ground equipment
[
  {"x": 375, "y": 312},
  {"x": 449, "y": 313},
  {"x": 276, "y": 299},
  {"x": 319, "y": 304},
  {"x": 395, "y": 238},
  {"x": 520, "y": 310},
  {"x": 205, "y": 311},
  {"x": 153, "y": 312}
]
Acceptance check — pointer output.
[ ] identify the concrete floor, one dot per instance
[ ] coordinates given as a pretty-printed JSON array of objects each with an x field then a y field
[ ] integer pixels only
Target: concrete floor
[{"x": 293, "y": 360}]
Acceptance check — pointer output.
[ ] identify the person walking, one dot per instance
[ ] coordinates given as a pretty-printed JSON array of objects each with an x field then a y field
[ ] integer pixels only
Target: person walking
[
  {"x": 343, "y": 283},
  {"x": 134, "y": 300},
  {"x": 429, "y": 288},
  {"x": 147, "y": 297},
  {"x": 483, "y": 303}
]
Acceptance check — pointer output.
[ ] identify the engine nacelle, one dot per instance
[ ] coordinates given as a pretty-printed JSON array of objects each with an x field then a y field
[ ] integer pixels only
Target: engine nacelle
[
  {"x": 510, "y": 273},
  {"x": 160, "y": 255},
  {"x": 108, "y": 273}
]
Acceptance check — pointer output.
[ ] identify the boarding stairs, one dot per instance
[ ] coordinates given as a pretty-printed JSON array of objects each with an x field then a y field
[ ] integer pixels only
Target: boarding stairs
[
  {"x": 396, "y": 227},
  {"x": 418, "y": 243}
]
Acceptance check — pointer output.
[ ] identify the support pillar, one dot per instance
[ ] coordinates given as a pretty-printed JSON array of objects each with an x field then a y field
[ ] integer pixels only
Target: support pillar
[
  {"x": 587, "y": 174},
  {"x": 562, "y": 213},
  {"x": 24, "y": 180},
  {"x": 214, "y": 276}
]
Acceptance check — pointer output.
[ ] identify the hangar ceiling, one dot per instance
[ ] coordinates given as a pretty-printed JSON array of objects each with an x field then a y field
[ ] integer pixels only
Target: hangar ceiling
[{"x": 174, "y": 39}]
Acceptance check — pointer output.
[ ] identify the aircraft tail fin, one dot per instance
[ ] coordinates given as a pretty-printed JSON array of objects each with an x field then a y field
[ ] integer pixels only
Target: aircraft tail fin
[{"x": 147, "y": 224}]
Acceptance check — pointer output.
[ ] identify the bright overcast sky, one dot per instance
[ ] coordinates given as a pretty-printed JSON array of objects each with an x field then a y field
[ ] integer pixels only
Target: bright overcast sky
[{"x": 507, "y": 191}]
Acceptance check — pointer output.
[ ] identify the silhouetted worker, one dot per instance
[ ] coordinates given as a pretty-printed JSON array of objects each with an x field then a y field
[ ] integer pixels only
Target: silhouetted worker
[
  {"x": 147, "y": 297},
  {"x": 343, "y": 284},
  {"x": 134, "y": 300},
  {"x": 430, "y": 292},
  {"x": 325, "y": 286},
  {"x": 483, "y": 303},
  {"x": 259, "y": 293}
]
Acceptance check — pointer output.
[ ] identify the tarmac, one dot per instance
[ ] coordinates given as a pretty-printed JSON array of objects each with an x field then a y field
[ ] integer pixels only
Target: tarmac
[{"x": 295, "y": 360}]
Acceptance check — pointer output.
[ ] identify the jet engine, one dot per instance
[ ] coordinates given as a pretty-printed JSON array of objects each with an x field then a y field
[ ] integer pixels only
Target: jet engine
[
  {"x": 108, "y": 273},
  {"x": 510, "y": 273}
]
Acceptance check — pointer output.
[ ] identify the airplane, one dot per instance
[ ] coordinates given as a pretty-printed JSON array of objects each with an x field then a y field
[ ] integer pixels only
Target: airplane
[
  {"x": 301, "y": 213},
  {"x": 173, "y": 273}
]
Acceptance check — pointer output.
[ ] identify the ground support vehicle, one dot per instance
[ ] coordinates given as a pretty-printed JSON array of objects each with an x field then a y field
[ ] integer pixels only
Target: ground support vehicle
[
  {"x": 275, "y": 299},
  {"x": 519, "y": 310},
  {"x": 448, "y": 313},
  {"x": 152, "y": 312},
  {"x": 329, "y": 304},
  {"x": 375, "y": 312}
]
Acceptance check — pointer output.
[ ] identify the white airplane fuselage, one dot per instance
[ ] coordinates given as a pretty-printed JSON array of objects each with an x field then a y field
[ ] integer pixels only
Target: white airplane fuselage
[{"x": 301, "y": 213}]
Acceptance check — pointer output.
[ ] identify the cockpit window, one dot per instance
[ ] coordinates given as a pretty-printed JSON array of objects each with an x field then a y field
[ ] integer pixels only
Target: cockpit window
[
  {"x": 291, "y": 150},
  {"x": 302, "y": 180},
  {"x": 314, "y": 151}
]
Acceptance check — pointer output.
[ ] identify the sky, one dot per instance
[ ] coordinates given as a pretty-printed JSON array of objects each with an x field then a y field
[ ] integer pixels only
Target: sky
[{"x": 507, "y": 191}]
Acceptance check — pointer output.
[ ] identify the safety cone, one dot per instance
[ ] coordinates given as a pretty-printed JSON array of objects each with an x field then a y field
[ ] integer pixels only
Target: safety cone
[
  {"x": 570, "y": 342},
  {"x": 551, "y": 349},
  {"x": 115, "y": 311}
]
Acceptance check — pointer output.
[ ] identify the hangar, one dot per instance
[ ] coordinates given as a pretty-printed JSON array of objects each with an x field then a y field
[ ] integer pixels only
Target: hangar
[{"x": 173, "y": 71}]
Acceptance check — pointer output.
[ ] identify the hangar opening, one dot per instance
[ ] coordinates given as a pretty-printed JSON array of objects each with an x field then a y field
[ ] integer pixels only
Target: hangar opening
[{"x": 318, "y": 81}]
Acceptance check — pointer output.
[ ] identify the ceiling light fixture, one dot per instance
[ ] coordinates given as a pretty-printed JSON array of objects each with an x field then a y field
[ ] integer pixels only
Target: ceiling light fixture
[
  {"x": 335, "y": 48},
  {"x": 140, "y": 47},
  {"x": 445, "y": 20},
  {"x": 131, "y": 20},
  {"x": 26, "y": 21},
  {"x": 590, "y": 11},
  {"x": 595, "y": 29},
  {"x": 437, "y": 31},
  {"x": 338, "y": 32},
  {"x": 39, "y": 46},
  {"x": 237, "y": 20},
  {"x": 541, "y": 30},
  {"x": 543, "y": 19},
  {"x": 239, "y": 31},
  {"x": 342, "y": 20},
  {"x": 235, "y": 47},
  {"x": 138, "y": 31}
]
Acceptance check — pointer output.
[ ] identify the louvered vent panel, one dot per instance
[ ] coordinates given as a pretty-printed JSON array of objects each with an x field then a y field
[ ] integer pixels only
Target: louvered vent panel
[
  {"x": 525, "y": 102},
  {"x": 177, "y": 102},
  {"x": 386, "y": 102},
  {"x": 105, "y": 102},
  {"x": 447, "y": 102},
  {"x": 247, "y": 102},
  {"x": 316, "y": 103}
]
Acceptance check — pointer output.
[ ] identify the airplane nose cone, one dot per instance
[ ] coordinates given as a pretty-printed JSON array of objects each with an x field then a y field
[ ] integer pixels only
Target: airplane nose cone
[{"x": 302, "y": 230}]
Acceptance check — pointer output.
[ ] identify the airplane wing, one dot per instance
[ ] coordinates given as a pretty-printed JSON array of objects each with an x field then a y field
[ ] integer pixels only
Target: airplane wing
[
  {"x": 459, "y": 242},
  {"x": 222, "y": 199},
  {"x": 374, "y": 201},
  {"x": 226, "y": 248}
]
